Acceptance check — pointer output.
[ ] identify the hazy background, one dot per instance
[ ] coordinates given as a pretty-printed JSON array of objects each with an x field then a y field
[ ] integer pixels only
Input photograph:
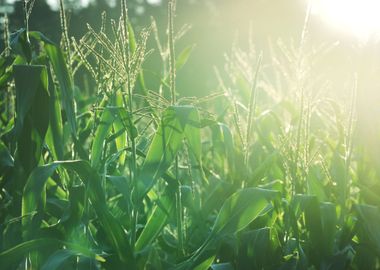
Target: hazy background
[{"x": 217, "y": 24}]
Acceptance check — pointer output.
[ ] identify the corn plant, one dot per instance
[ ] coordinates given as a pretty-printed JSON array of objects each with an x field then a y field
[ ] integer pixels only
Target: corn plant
[{"x": 125, "y": 177}]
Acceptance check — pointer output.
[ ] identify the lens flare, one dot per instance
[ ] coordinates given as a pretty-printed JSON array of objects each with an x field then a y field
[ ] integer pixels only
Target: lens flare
[{"x": 358, "y": 17}]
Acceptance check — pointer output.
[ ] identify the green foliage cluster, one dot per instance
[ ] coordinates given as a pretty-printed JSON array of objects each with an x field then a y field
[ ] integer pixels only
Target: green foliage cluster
[{"x": 129, "y": 178}]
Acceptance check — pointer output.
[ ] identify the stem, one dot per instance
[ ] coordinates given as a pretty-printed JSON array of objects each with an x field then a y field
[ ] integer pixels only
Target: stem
[
  {"x": 65, "y": 34},
  {"x": 129, "y": 105},
  {"x": 296, "y": 181},
  {"x": 26, "y": 18},
  {"x": 172, "y": 73},
  {"x": 251, "y": 112},
  {"x": 349, "y": 145},
  {"x": 179, "y": 212},
  {"x": 134, "y": 205}
]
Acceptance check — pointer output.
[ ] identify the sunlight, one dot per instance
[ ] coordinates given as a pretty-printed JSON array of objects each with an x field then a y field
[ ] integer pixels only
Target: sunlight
[
  {"x": 55, "y": 3},
  {"x": 358, "y": 17}
]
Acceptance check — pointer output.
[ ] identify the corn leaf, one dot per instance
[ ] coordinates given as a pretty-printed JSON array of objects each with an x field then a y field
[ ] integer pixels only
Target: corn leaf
[
  {"x": 176, "y": 123},
  {"x": 34, "y": 200}
]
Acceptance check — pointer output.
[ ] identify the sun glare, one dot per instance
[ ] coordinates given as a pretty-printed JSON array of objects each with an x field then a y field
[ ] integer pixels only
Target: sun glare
[{"x": 358, "y": 17}]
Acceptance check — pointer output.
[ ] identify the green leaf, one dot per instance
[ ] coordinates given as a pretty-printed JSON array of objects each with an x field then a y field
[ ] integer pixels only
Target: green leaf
[
  {"x": 66, "y": 85},
  {"x": 369, "y": 217},
  {"x": 156, "y": 221},
  {"x": 223, "y": 144},
  {"x": 126, "y": 120},
  {"x": 57, "y": 260},
  {"x": 192, "y": 134},
  {"x": 54, "y": 136},
  {"x": 184, "y": 56},
  {"x": 6, "y": 65},
  {"x": 309, "y": 205},
  {"x": 222, "y": 266},
  {"x": 121, "y": 119},
  {"x": 101, "y": 133},
  {"x": 241, "y": 209},
  {"x": 237, "y": 212},
  {"x": 33, "y": 199},
  {"x": 259, "y": 249},
  {"x": 338, "y": 174},
  {"x": 216, "y": 197},
  {"x": 32, "y": 114},
  {"x": 165, "y": 144},
  {"x": 121, "y": 185},
  {"x": 329, "y": 227},
  {"x": 314, "y": 183},
  {"x": 6, "y": 160},
  {"x": 206, "y": 263},
  {"x": 20, "y": 46},
  {"x": 31, "y": 84},
  {"x": 14, "y": 255},
  {"x": 181, "y": 60},
  {"x": 119, "y": 127},
  {"x": 132, "y": 37}
]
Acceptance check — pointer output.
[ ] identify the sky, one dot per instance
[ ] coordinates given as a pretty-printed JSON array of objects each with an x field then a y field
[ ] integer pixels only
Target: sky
[{"x": 358, "y": 17}]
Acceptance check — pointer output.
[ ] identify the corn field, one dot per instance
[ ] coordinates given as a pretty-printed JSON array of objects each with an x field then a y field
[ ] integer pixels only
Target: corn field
[{"x": 265, "y": 172}]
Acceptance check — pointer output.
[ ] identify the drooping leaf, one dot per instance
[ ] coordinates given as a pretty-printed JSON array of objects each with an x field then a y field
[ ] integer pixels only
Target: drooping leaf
[
  {"x": 61, "y": 72},
  {"x": 19, "y": 44}
]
